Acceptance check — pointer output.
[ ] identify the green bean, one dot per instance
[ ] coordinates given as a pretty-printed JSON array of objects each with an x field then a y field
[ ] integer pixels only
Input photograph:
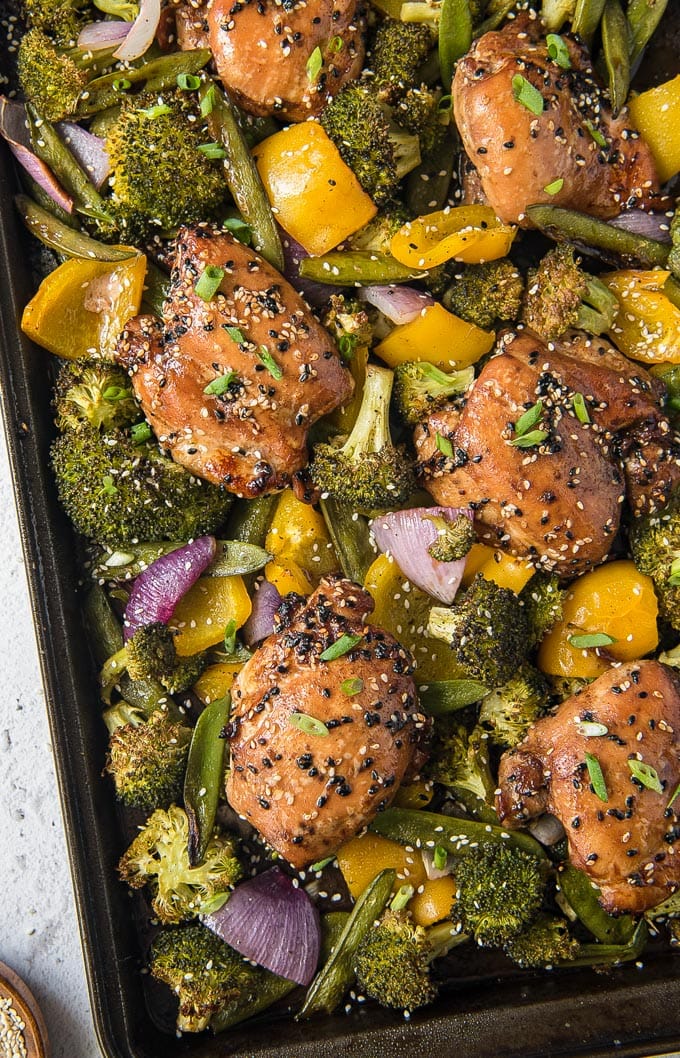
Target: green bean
[
  {"x": 351, "y": 538},
  {"x": 332, "y": 925},
  {"x": 671, "y": 289},
  {"x": 232, "y": 558},
  {"x": 455, "y": 36},
  {"x": 427, "y": 187},
  {"x": 104, "y": 92},
  {"x": 270, "y": 990},
  {"x": 418, "y": 828},
  {"x": 582, "y": 899},
  {"x": 500, "y": 10},
  {"x": 589, "y": 232},
  {"x": 643, "y": 18},
  {"x": 336, "y": 975},
  {"x": 447, "y": 696},
  {"x": 249, "y": 520},
  {"x": 35, "y": 192},
  {"x": 204, "y": 775},
  {"x": 615, "y": 48},
  {"x": 587, "y": 18},
  {"x": 356, "y": 268},
  {"x": 63, "y": 239},
  {"x": 243, "y": 178},
  {"x": 611, "y": 954},
  {"x": 391, "y": 8}
]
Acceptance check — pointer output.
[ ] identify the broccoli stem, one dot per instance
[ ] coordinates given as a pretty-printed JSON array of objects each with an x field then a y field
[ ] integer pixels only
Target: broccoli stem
[
  {"x": 598, "y": 307},
  {"x": 351, "y": 537},
  {"x": 356, "y": 268},
  {"x": 415, "y": 827},
  {"x": 371, "y": 431},
  {"x": 593, "y": 234}
]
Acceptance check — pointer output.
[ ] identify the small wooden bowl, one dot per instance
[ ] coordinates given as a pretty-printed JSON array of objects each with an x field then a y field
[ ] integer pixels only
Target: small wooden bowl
[{"x": 24, "y": 1002}]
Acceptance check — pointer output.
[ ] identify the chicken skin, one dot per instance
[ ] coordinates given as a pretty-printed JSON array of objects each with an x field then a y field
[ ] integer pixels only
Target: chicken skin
[
  {"x": 231, "y": 385},
  {"x": 625, "y": 837},
  {"x": 318, "y": 747},
  {"x": 520, "y": 149},
  {"x": 556, "y": 501},
  {"x": 263, "y": 52}
]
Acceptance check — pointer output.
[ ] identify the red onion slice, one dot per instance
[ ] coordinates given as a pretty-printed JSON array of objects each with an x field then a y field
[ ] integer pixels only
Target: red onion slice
[
  {"x": 14, "y": 129},
  {"x": 293, "y": 253},
  {"x": 400, "y": 304},
  {"x": 272, "y": 922},
  {"x": 640, "y": 222},
  {"x": 260, "y": 624},
  {"x": 142, "y": 32},
  {"x": 159, "y": 587},
  {"x": 98, "y": 36},
  {"x": 407, "y": 535},
  {"x": 87, "y": 149}
]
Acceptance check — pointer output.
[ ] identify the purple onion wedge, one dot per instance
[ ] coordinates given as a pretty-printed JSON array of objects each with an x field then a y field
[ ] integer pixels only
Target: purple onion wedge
[
  {"x": 260, "y": 624},
  {"x": 272, "y": 922},
  {"x": 400, "y": 304},
  {"x": 408, "y": 536},
  {"x": 158, "y": 589},
  {"x": 88, "y": 150},
  {"x": 14, "y": 129}
]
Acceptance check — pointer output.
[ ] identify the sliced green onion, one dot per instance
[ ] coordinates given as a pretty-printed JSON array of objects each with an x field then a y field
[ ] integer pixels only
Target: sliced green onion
[
  {"x": 108, "y": 486},
  {"x": 114, "y": 393},
  {"x": 674, "y": 576},
  {"x": 188, "y": 82},
  {"x": 528, "y": 420},
  {"x": 525, "y": 93},
  {"x": 587, "y": 640},
  {"x": 596, "y": 776},
  {"x": 230, "y": 636},
  {"x": 439, "y": 857},
  {"x": 208, "y": 283},
  {"x": 320, "y": 864},
  {"x": 445, "y": 103},
  {"x": 209, "y": 101},
  {"x": 402, "y": 897},
  {"x": 309, "y": 724},
  {"x": 676, "y": 791},
  {"x": 591, "y": 729},
  {"x": 212, "y": 150},
  {"x": 336, "y": 44},
  {"x": 558, "y": 51},
  {"x": 270, "y": 363},
  {"x": 527, "y": 440},
  {"x": 314, "y": 65},
  {"x": 596, "y": 134},
  {"x": 580, "y": 408},
  {"x": 235, "y": 333},
  {"x": 157, "y": 111},
  {"x": 351, "y": 686},
  {"x": 342, "y": 646},
  {"x": 140, "y": 433},
  {"x": 121, "y": 84},
  {"x": 555, "y": 187},
  {"x": 346, "y": 345},
  {"x": 645, "y": 774},
  {"x": 239, "y": 229},
  {"x": 444, "y": 445},
  {"x": 220, "y": 385}
]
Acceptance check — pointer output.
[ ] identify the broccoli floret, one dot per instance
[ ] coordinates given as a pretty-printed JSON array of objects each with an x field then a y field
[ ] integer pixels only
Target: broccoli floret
[
  {"x": 655, "y": 545},
  {"x": 150, "y": 655},
  {"x": 418, "y": 112},
  {"x": 182, "y": 186},
  {"x": 204, "y": 972},
  {"x": 559, "y": 296},
  {"x": 348, "y": 322},
  {"x": 115, "y": 491},
  {"x": 398, "y": 52},
  {"x": 485, "y": 293},
  {"x": 420, "y": 388},
  {"x": 377, "y": 235},
  {"x": 368, "y": 472},
  {"x": 563, "y": 687},
  {"x": 94, "y": 393},
  {"x": 454, "y": 539},
  {"x": 147, "y": 761},
  {"x": 487, "y": 629},
  {"x": 545, "y": 943},
  {"x": 508, "y": 712},
  {"x": 499, "y": 892},
  {"x": 53, "y": 77},
  {"x": 158, "y": 858},
  {"x": 460, "y": 760},
  {"x": 60, "y": 19},
  {"x": 543, "y": 599},
  {"x": 392, "y": 963}
]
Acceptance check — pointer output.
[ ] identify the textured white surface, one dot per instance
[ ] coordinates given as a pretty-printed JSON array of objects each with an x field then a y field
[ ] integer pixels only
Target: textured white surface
[{"x": 38, "y": 931}]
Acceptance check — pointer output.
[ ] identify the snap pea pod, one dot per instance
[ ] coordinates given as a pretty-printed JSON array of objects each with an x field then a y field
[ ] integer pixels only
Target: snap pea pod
[
  {"x": 35, "y": 192},
  {"x": 498, "y": 15},
  {"x": 455, "y": 36},
  {"x": 414, "y": 827},
  {"x": 643, "y": 19},
  {"x": 249, "y": 520},
  {"x": 615, "y": 47},
  {"x": 232, "y": 558},
  {"x": 64, "y": 240},
  {"x": 204, "y": 774},
  {"x": 356, "y": 268},
  {"x": 611, "y": 954},
  {"x": 671, "y": 289},
  {"x": 337, "y": 974},
  {"x": 351, "y": 538},
  {"x": 582, "y": 899},
  {"x": 270, "y": 989},
  {"x": 104, "y": 92},
  {"x": 587, "y": 18},
  {"x": 241, "y": 173},
  {"x": 590, "y": 233},
  {"x": 332, "y": 925},
  {"x": 447, "y": 696}
]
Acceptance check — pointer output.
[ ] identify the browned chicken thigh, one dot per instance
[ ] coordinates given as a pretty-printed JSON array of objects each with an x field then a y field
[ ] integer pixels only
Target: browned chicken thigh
[
  {"x": 318, "y": 747},
  {"x": 629, "y": 842},
  {"x": 557, "y": 501},
  {"x": 231, "y": 385},
  {"x": 263, "y": 50},
  {"x": 522, "y": 147}
]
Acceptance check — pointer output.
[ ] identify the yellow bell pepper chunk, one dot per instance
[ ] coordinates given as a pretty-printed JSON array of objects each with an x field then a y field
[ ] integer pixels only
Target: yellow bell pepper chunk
[
  {"x": 361, "y": 858},
  {"x": 471, "y": 234},
  {"x": 437, "y": 337},
  {"x": 81, "y": 308},
  {"x": 614, "y": 599},
  {"x": 287, "y": 577},
  {"x": 215, "y": 681},
  {"x": 496, "y": 565},
  {"x": 298, "y": 539},
  {"x": 316, "y": 197},
  {"x": 202, "y": 615},
  {"x": 434, "y": 902},
  {"x": 656, "y": 115},
  {"x": 647, "y": 324}
]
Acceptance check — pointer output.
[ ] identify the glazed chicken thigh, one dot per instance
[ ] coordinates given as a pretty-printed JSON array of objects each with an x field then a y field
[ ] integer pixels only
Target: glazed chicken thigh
[
  {"x": 318, "y": 747},
  {"x": 231, "y": 385}
]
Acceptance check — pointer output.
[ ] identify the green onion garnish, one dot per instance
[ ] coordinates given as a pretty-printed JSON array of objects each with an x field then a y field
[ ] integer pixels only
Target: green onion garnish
[
  {"x": 347, "y": 344},
  {"x": 235, "y": 333},
  {"x": 212, "y": 150},
  {"x": 208, "y": 282},
  {"x": 336, "y": 44},
  {"x": 596, "y": 134},
  {"x": 140, "y": 433},
  {"x": 314, "y": 65},
  {"x": 439, "y": 857},
  {"x": 239, "y": 229},
  {"x": 676, "y": 791},
  {"x": 155, "y": 112},
  {"x": 590, "y": 639},
  {"x": 558, "y": 51},
  {"x": 270, "y": 363},
  {"x": 114, "y": 393},
  {"x": 108, "y": 486},
  {"x": 121, "y": 84},
  {"x": 230, "y": 636},
  {"x": 444, "y": 446},
  {"x": 555, "y": 187},
  {"x": 591, "y": 729},
  {"x": 596, "y": 776},
  {"x": 402, "y": 897},
  {"x": 342, "y": 646},
  {"x": 444, "y": 105},
  {"x": 528, "y": 420},
  {"x": 580, "y": 408},
  {"x": 320, "y": 864},
  {"x": 351, "y": 687},
  {"x": 309, "y": 724},
  {"x": 525, "y": 93},
  {"x": 527, "y": 440},
  {"x": 645, "y": 774},
  {"x": 220, "y": 385},
  {"x": 188, "y": 82},
  {"x": 674, "y": 575},
  {"x": 209, "y": 101}
]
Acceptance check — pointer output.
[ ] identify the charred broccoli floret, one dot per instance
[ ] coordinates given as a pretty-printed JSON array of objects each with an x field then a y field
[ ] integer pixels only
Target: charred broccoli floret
[
  {"x": 459, "y": 759},
  {"x": 393, "y": 961},
  {"x": 147, "y": 762},
  {"x": 508, "y": 712},
  {"x": 655, "y": 544},
  {"x": 348, "y": 322},
  {"x": 560, "y": 295},
  {"x": 182, "y": 186},
  {"x": 563, "y": 687},
  {"x": 454, "y": 539},
  {"x": 367, "y": 472},
  {"x": 487, "y": 628},
  {"x": 398, "y": 52},
  {"x": 54, "y": 77},
  {"x": 60, "y": 19},
  {"x": 420, "y": 388},
  {"x": 499, "y": 892},
  {"x": 115, "y": 491},
  {"x": 485, "y": 293},
  {"x": 94, "y": 393},
  {"x": 158, "y": 858},
  {"x": 542, "y": 598},
  {"x": 150, "y": 654},
  {"x": 376, "y": 236},
  {"x": 546, "y": 942}
]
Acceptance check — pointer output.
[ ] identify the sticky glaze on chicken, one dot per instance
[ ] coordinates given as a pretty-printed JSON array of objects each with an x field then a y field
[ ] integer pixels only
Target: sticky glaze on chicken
[
  {"x": 265, "y": 52},
  {"x": 559, "y": 501},
  {"x": 629, "y": 845},
  {"x": 518, "y": 153},
  {"x": 231, "y": 385},
  {"x": 308, "y": 792}
]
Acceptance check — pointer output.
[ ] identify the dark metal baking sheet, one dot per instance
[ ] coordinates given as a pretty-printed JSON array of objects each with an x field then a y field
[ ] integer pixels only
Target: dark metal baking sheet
[{"x": 631, "y": 1013}]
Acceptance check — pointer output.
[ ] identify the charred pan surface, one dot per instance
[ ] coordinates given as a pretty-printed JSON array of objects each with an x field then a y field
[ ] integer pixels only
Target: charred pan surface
[
  {"x": 628, "y": 844},
  {"x": 269, "y": 368},
  {"x": 307, "y": 793},
  {"x": 518, "y": 152}
]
